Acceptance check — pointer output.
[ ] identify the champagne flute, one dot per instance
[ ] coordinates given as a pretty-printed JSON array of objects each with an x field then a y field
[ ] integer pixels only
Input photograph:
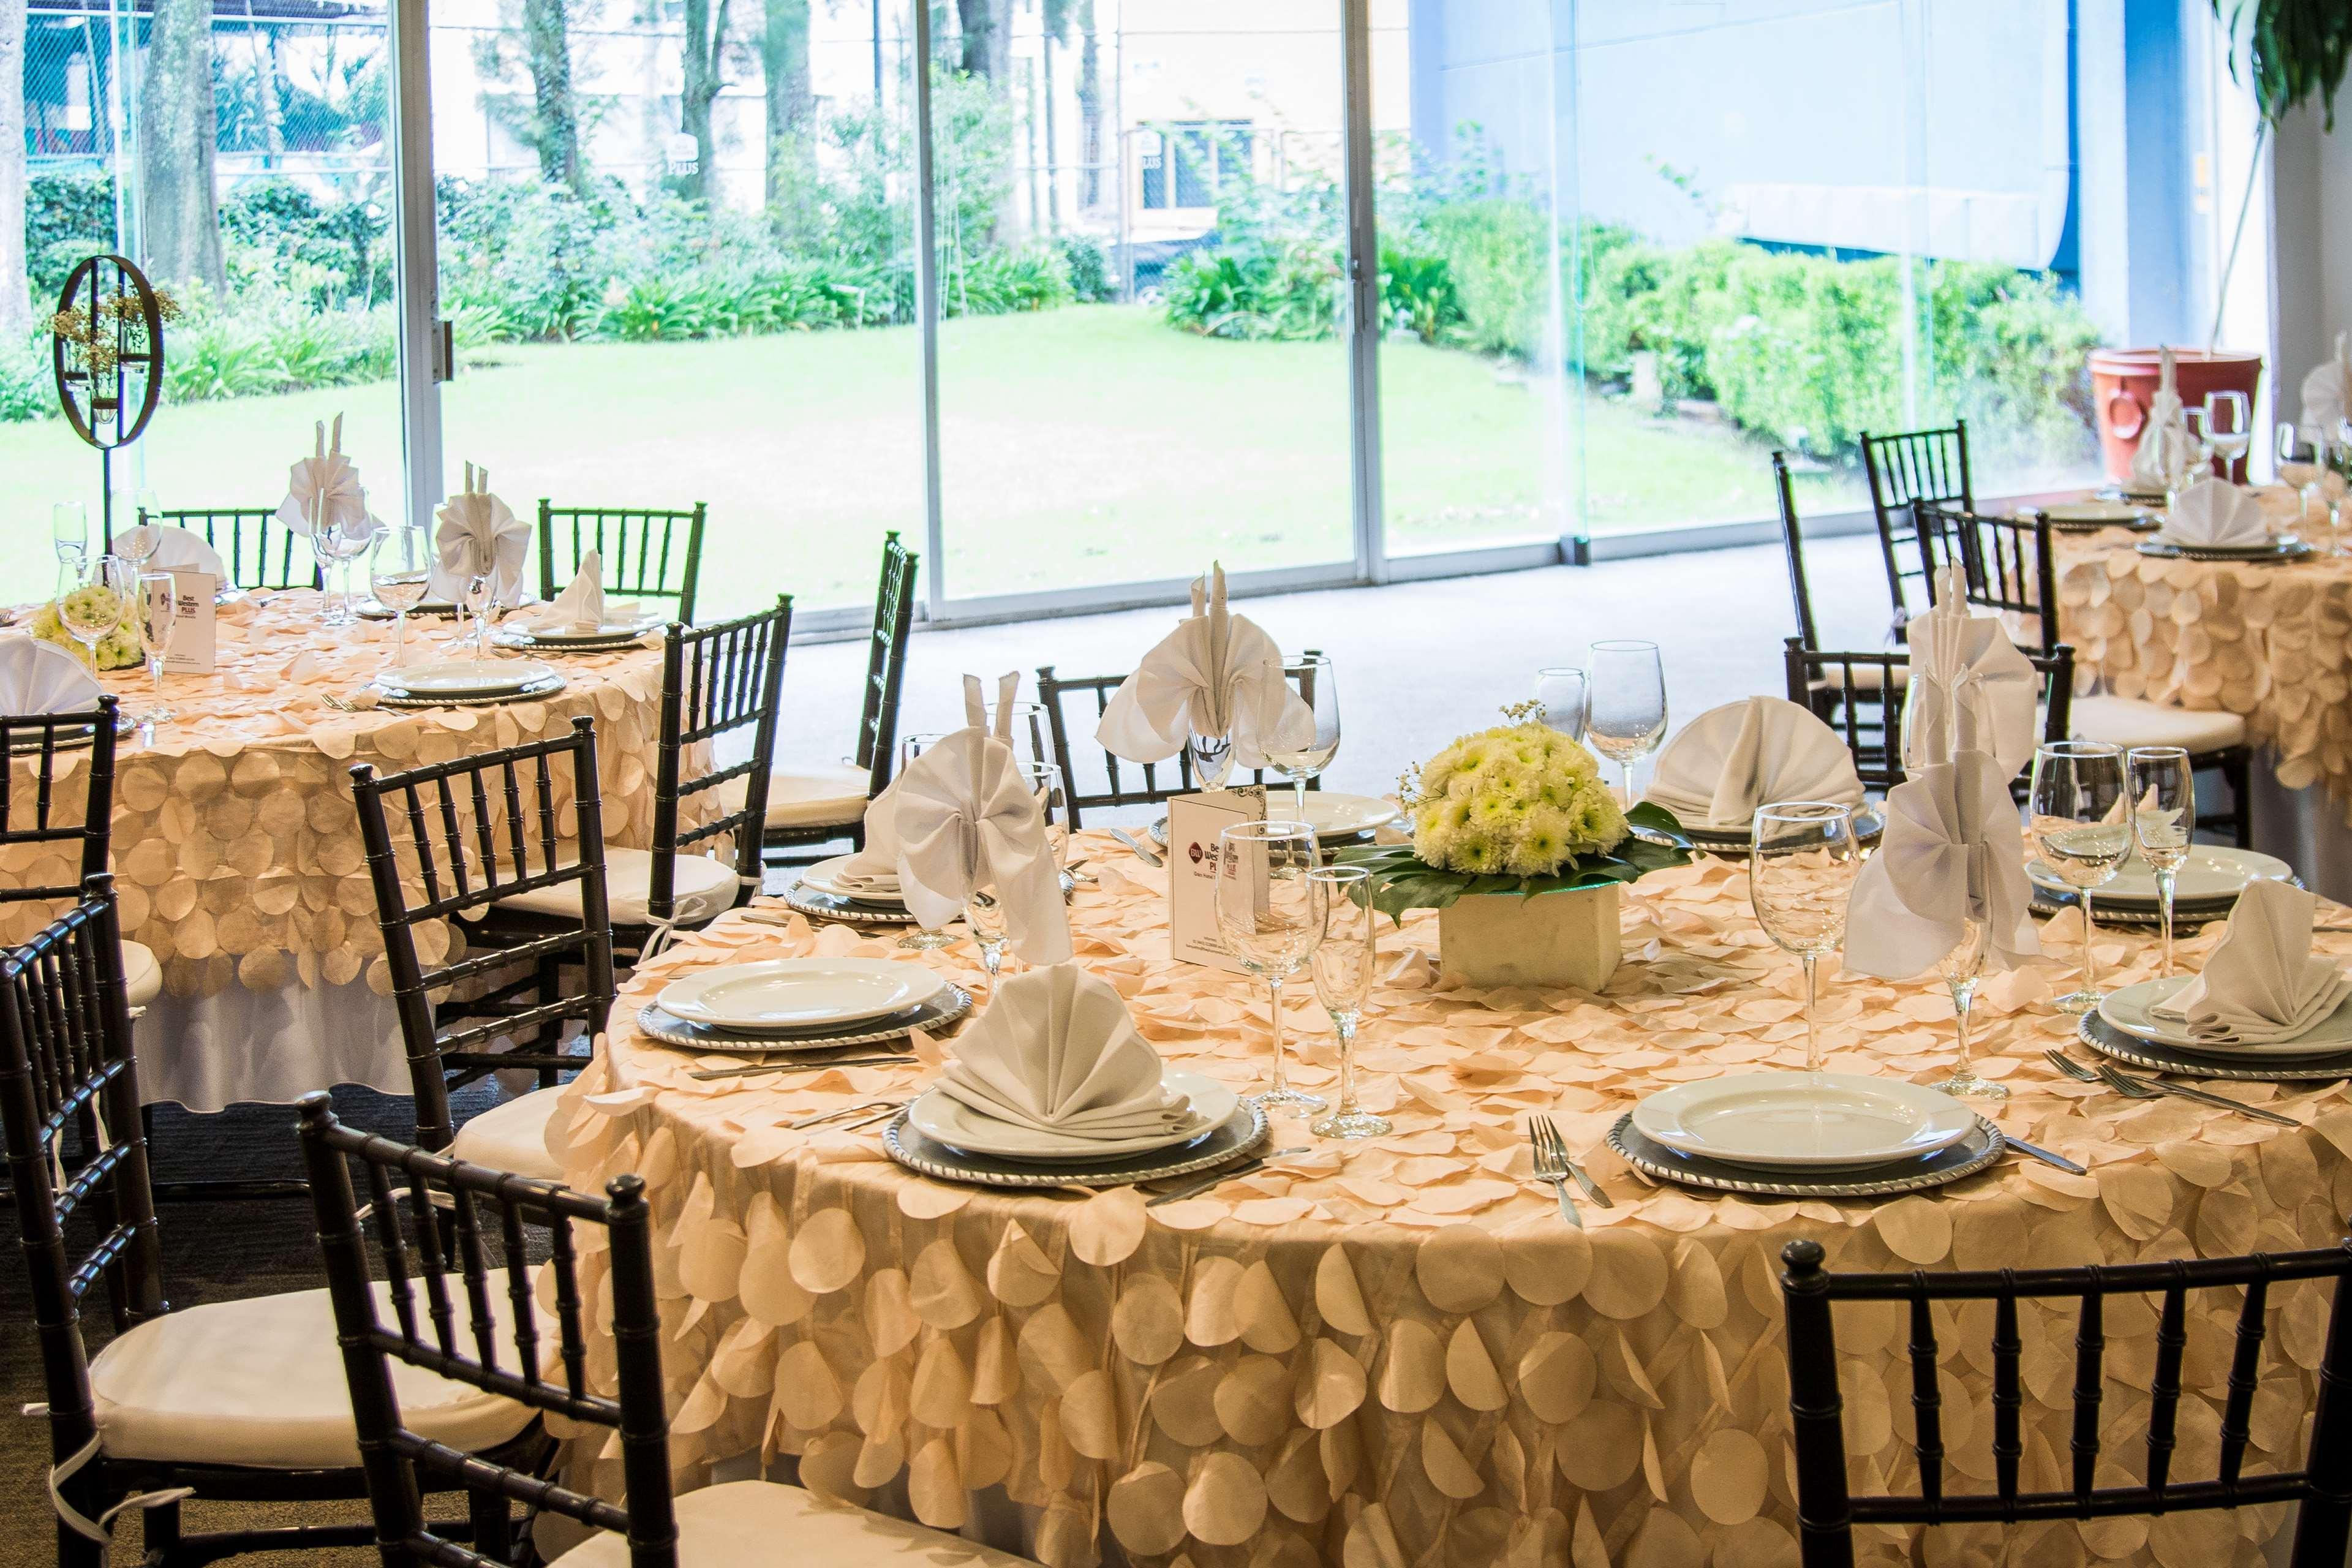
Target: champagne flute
[
  {"x": 1304, "y": 755},
  {"x": 1030, "y": 726},
  {"x": 1803, "y": 857},
  {"x": 1628, "y": 713},
  {"x": 69, "y": 537},
  {"x": 1565, "y": 693},
  {"x": 2228, "y": 430},
  {"x": 1343, "y": 963},
  {"x": 2193, "y": 459},
  {"x": 99, "y": 602},
  {"x": 399, "y": 572},
  {"x": 922, "y": 939},
  {"x": 478, "y": 604},
  {"x": 1045, "y": 782},
  {"x": 2077, "y": 816},
  {"x": 2164, "y": 820},
  {"x": 1272, "y": 915},
  {"x": 1961, "y": 968},
  {"x": 159, "y": 610},
  {"x": 139, "y": 542}
]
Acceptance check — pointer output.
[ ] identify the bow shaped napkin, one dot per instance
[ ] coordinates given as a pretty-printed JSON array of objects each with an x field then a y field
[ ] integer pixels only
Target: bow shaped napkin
[
  {"x": 1730, "y": 759},
  {"x": 874, "y": 868},
  {"x": 323, "y": 490},
  {"x": 1056, "y": 1052},
  {"x": 2164, "y": 446},
  {"x": 1952, "y": 852},
  {"x": 1971, "y": 688},
  {"x": 581, "y": 606},
  {"x": 185, "y": 550},
  {"x": 478, "y": 537},
  {"x": 2327, "y": 390},
  {"x": 2261, "y": 983},
  {"x": 967, "y": 818},
  {"x": 36, "y": 677},
  {"x": 2214, "y": 511},
  {"x": 1216, "y": 675}
]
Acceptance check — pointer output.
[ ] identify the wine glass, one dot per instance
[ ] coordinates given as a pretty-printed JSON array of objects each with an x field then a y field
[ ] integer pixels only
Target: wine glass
[
  {"x": 2164, "y": 819},
  {"x": 1343, "y": 962},
  {"x": 1303, "y": 755},
  {"x": 159, "y": 610},
  {"x": 2229, "y": 429},
  {"x": 1565, "y": 693},
  {"x": 1045, "y": 784},
  {"x": 1961, "y": 968},
  {"x": 99, "y": 602},
  {"x": 1803, "y": 856},
  {"x": 476, "y": 601},
  {"x": 1627, "y": 718},
  {"x": 2192, "y": 457},
  {"x": 399, "y": 572},
  {"x": 922, "y": 939},
  {"x": 338, "y": 548},
  {"x": 2077, "y": 816},
  {"x": 2303, "y": 467},
  {"x": 139, "y": 542},
  {"x": 69, "y": 536},
  {"x": 1030, "y": 725},
  {"x": 1272, "y": 915}
]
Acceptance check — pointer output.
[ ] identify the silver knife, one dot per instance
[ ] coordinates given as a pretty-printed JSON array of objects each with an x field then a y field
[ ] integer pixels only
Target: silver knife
[
  {"x": 898, "y": 1061},
  {"x": 2220, "y": 1100},
  {"x": 2045, "y": 1155},
  {"x": 1146, "y": 856}
]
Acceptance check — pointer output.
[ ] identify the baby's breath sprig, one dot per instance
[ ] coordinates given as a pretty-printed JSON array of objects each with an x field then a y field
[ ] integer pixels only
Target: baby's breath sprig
[{"x": 1522, "y": 712}]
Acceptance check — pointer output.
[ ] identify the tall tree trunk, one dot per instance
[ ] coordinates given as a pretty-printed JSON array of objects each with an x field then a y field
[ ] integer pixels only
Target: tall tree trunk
[
  {"x": 267, "y": 85},
  {"x": 986, "y": 27},
  {"x": 784, "y": 58},
  {"x": 704, "y": 48},
  {"x": 180, "y": 215},
  {"x": 1090, "y": 100},
  {"x": 555, "y": 112},
  {"x": 15, "y": 299}
]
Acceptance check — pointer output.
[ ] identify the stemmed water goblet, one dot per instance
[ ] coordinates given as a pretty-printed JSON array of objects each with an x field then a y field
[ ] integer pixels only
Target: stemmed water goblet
[
  {"x": 1342, "y": 964},
  {"x": 139, "y": 542},
  {"x": 1565, "y": 694},
  {"x": 400, "y": 570},
  {"x": 158, "y": 612},
  {"x": 2229, "y": 429},
  {"x": 100, "y": 603},
  {"x": 2163, "y": 791},
  {"x": 2078, "y": 816},
  {"x": 1627, "y": 716},
  {"x": 476, "y": 599},
  {"x": 337, "y": 548},
  {"x": 1803, "y": 856},
  {"x": 1272, "y": 915},
  {"x": 921, "y": 938},
  {"x": 2303, "y": 467},
  {"x": 1304, "y": 755}
]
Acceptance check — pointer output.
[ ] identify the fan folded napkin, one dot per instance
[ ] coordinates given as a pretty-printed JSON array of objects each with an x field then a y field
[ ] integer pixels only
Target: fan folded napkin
[
  {"x": 1215, "y": 675},
  {"x": 874, "y": 868},
  {"x": 2262, "y": 983},
  {"x": 1730, "y": 759},
  {"x": 323, "y": 490},
  {"x": 1952, "y": 852},
  {"x": 182, "y": 550},
  {"x": 478, "y": 537},
  {"x": 2327, "y": 391},
  {"x": 36, "y": 677},
  {"x": 1056, "y": 1052},
  {"x": 967, "y": 818},
  {"x": 2213, "y": 512},
  {"x": 2163, "y": 445},
  {"x": 1971, "y": 689},
  {"x": 581, "y": 606}
]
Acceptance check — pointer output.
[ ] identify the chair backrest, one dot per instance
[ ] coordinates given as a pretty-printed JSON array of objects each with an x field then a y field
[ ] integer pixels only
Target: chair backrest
[
  {"x": 1827, "y": 1512},
  {"x": 471, "y": 832},
  {"x": 35, "y": 800},
  {"x": 2005, "y": 562},
  {"x": 1792, "y": 544},
  {"x": 641, "y": 552},
  {"x": 1931, "y": 465},
  {"x": 716, "y": 681},
  {"x": 255, "y": 544},
  {"x": 1860, "y": 695},
  {"x": 455, "y": 1217},
  {"x": 66, "y": 1066},
  {"x": 886, "y": 664},
  {"x": 1150, "y": 784}
]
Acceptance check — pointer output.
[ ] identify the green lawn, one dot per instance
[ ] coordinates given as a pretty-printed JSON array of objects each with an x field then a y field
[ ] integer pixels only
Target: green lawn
[{"x": 1079, "y": 447}]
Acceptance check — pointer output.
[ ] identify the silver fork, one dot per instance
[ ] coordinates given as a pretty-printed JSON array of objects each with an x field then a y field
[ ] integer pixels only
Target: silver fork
[
  {"x": 1550, "y": 1166},
  {"x": 2148, "y": 1086},
  {"x": 876, "y": 1110},
  {"x": 1551, "y": 1133}
]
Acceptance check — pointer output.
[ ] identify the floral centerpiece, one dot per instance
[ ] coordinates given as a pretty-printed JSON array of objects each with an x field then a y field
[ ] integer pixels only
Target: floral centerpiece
[
  {"x": 1500, "y": 820},
  {"x": 118, "y": 649}
]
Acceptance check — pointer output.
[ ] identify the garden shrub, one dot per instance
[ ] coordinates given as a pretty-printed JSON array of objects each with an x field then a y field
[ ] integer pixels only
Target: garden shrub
[{"x": 1494, "y": 249}]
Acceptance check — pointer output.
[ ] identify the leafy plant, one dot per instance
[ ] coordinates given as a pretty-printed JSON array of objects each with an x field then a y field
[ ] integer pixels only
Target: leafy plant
[{"x": 2294, "y": 48}]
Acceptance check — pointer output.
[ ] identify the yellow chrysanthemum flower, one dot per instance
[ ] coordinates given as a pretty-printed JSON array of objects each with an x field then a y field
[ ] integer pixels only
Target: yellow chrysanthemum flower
[{"x": 1519, "y": 798}]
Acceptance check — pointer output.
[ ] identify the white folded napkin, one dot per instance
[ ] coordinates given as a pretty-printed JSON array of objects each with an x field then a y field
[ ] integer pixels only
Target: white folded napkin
[
  {"x": 477, "y": 536},
  {"x": 1056, "y": 1052},
  {"x": 1215, "y": 675},
  {"x": 2262, "y": 983},
  {"x": 1730, "y": 759},
  {"x": 2327, "y": 390},
  {"x": 2164, "y": 444},
  {"x": 1971, "y": 689},
  {"x": 323, "y": 490},
  {"x": 581, "y": 606},
  {"x": 182, "y": 550},
  {"x": 2214, "y": 511},
  {"x": 966, "y": 818},
  {"x": 37, "y": 677},
  {"x": 1952, "y": 852},
  {"x": 874, "y": 868}
]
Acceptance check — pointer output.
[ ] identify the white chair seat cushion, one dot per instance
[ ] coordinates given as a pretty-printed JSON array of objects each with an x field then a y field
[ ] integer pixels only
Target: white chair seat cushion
[
  {"x": 1866, "y": 677},
  {"x": 827, "y": 796},
  {"x": 143, "y": 977},
  {"x": 703, "y": 890},
  {"x": 512, "y": 1136},
  {"x": 2129, "y": 721},
  {"x": 260, "y": 1383},
  {"x": 763, "y": 1522}
]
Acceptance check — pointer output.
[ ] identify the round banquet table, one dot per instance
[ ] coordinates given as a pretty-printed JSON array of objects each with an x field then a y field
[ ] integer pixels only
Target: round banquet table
[
  {"x": 236, "y": 850},
  {"x": 1396, "y": 1352}
]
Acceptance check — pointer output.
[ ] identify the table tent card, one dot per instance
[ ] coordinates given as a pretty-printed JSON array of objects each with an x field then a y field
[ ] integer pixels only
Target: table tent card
[
  {"x": 194, "y": 648},
  {"x": 1194, "y": 822}
]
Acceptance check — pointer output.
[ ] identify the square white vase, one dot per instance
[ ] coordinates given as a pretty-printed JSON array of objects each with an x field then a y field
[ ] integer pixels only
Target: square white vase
[{"x": 1552, "y": 939}]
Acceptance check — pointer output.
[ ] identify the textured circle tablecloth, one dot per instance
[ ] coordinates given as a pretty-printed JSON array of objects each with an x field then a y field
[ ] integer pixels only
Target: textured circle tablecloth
[
  {"x": 237, "y": 848},
  {"x": 1396, "y": 1352}
]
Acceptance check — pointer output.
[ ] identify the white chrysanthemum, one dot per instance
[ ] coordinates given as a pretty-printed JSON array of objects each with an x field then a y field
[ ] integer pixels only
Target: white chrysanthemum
[{"x": 1519, "y": 798}]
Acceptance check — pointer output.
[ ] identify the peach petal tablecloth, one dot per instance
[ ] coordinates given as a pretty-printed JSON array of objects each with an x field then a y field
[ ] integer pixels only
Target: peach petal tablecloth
[
  {"x": 1395, "y": 1351},
  {"x": 236, "y": 849}
]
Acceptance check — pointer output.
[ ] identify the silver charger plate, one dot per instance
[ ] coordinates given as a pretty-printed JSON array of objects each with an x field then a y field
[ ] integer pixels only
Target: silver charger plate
[
  {"x": 1240, "y": 1135},
  {"x": 2185, "y": 916},
  {"x": 375, "y": 610},
  {"x": 1726, "y": 844},
  {"x": 2279, "y": 550},
  {"x": 2140, "y": 524},
  {"x": 2109, "y": 1041},
  {"x": 943, "y": 1007},
  {"x": 547, "y": 686},
  {"x": 834, "y": 907},
  {"x": 1951, "y": 1164},
  {"x": 541, "y": 642}
]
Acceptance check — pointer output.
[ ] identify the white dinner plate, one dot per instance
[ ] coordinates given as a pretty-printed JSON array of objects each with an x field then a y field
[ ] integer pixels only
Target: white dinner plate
[
  {"x": 947, "y": 1119},
  {"x": 2128, "y": 1008},
  {"x": 2265, "y": 548},
  {"x": 557, "y": 635},
  {"x": 2094, "y": 511},
  {"x": 797, "y": 993},
  {"x": 463, "y": 677},
  {"x": 826, "y": 877},
  {"x": 2211, "y": 874},
  {"x": 1827, "y": 1121}
]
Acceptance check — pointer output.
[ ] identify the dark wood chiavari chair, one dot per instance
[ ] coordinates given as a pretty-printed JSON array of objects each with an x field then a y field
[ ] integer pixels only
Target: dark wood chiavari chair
[
  {"x": 1872, "y": 727},
  {"x": 1825, "y": 700},
  {"x": 1827, "y": 1510},
  {"x": 1918, "y": 465},
  {"x": 255, "y": 544},
  {"x": 641, "y": 554},
  {"x": 1148, "y": 785}
]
